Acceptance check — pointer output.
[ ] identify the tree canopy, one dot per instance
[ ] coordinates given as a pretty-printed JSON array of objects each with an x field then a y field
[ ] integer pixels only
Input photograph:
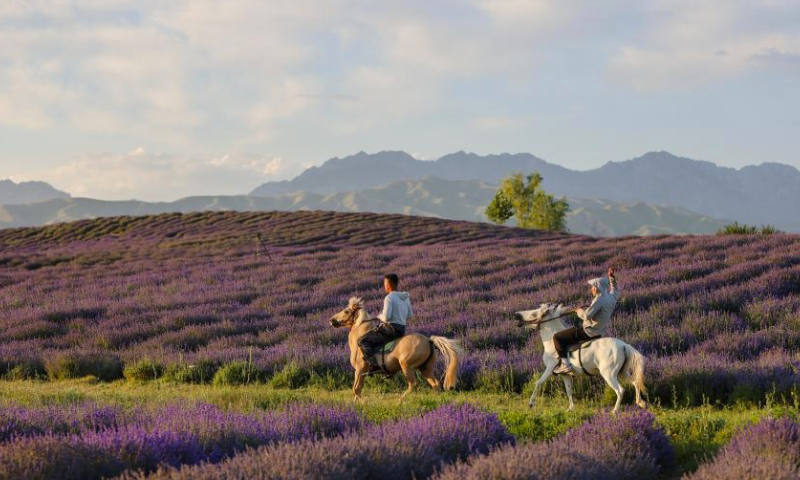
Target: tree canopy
[{"x": 524, "y": 198}]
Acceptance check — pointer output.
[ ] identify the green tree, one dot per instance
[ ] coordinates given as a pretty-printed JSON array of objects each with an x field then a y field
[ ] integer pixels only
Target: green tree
[{"x": 523, "y": 198}]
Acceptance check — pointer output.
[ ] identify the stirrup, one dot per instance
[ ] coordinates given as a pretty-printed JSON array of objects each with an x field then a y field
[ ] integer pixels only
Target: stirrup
[
  {"x": 372, "y": 370},
  {"x": 564, "y": 369}
]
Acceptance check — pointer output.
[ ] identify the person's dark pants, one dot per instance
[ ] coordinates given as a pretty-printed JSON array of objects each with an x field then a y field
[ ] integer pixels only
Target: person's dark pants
[
  {"x": 379, "y": 336},
  {"x": 563, "y": 339}
]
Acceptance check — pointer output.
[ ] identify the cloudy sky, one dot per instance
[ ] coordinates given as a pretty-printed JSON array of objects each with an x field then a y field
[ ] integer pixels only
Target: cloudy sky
[{"x": 157, "y": 99}]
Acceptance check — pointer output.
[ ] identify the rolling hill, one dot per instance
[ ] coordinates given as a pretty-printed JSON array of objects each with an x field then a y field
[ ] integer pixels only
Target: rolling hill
[{"x": 430, "y": 197}]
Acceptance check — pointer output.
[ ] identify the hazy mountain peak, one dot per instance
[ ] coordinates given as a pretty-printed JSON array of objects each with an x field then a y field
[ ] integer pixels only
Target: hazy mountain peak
[
  {"x": 767, "y": 193},
  {"x": 27, "y": 192}
]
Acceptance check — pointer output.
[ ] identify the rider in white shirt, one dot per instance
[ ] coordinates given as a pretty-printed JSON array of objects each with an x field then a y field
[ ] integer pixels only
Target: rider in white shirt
[{"x": 396, "y": 312}]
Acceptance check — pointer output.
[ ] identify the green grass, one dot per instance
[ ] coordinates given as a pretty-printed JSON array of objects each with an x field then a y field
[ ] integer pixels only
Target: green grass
[{"x": 696, "y": 432}]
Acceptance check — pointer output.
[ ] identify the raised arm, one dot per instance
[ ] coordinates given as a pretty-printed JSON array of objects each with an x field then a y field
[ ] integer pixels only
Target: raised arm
[{"x": 612, "y": 283}]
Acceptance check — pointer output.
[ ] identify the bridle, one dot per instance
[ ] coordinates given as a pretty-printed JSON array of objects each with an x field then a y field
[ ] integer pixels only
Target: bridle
[{"x": 351, "y": 317}]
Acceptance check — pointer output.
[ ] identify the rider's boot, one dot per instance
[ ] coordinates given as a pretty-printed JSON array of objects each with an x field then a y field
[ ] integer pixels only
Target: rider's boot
[
  {"x": 564, "y": 368},
  {"x": 372, "y": 363}
]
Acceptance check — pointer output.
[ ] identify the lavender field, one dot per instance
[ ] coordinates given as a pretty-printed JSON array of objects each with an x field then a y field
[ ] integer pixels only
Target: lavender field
[{"x": 196, "y": 300}]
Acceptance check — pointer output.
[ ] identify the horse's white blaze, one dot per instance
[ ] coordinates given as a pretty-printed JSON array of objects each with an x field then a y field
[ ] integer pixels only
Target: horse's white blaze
[{"x": 610, "y": 358}]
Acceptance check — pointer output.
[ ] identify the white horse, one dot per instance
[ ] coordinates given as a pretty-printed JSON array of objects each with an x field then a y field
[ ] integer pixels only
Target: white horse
[{"x": 611, "y": 358}]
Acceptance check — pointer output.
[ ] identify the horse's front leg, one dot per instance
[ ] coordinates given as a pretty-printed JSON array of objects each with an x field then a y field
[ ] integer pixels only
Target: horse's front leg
[
  {"x": 358, "y": 383},
  {"x": 547, "y": 372},
  {"x": 568, "y": 388}
]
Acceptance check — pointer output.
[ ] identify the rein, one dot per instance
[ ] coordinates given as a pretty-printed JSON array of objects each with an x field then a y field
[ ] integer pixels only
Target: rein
[{"x": 539, "y": 322}]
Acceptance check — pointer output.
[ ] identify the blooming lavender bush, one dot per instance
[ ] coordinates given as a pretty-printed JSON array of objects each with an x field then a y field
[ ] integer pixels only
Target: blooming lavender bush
[
  {"x": 75, "y": 419},
  {"x": 106, "y": 443},
  {"x": 770, "y": 449},
  {"x": 628, "y": 446},
  {"x": 404, "y": 449}
]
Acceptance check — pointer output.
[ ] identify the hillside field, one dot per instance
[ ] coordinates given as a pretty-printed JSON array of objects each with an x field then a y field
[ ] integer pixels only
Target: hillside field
[{"x": 175, "y": 340}]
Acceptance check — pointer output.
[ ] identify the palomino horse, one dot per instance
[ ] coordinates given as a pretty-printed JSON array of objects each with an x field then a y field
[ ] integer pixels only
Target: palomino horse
[
  {"x": 412, "y": 352},
  {"x": 611, "y": 358}
]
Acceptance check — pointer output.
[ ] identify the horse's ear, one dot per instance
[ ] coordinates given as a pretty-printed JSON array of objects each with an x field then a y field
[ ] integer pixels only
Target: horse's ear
[
  {"x": 353, "y": 301},
  {"x": 560, "y": 306}
]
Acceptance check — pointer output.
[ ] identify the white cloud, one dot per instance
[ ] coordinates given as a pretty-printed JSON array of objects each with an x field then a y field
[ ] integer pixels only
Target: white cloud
[
  {"x": 142, "y": 175},
  {"x": 156, "y": 70},
  {"x": 690, "y": 44}
]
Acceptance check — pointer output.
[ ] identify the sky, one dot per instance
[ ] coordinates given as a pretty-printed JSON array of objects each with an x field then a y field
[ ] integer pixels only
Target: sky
[{"x": 157, "y": 100}]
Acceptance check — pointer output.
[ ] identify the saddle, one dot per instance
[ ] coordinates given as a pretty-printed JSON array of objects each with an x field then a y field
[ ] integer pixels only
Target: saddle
[
  {"x": 580, "y": 345},
  {"x": 577, "y": 347},
  {"x": 387, "y": 348}
]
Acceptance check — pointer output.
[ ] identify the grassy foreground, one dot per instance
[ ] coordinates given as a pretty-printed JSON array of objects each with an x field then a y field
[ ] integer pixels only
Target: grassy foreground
[{"x": 696, "y": 432}]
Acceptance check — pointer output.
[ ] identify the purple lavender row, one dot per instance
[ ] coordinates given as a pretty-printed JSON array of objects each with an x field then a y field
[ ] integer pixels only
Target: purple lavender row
[
  {"x": 405, "y": 449},
  {"x": 169, "y": 436},
  {"x": 16, "y": 421},
  {"x": 186, "y": 291},
  {"x": 769, "y": 449},
  {"x": 628, "y": 446}
]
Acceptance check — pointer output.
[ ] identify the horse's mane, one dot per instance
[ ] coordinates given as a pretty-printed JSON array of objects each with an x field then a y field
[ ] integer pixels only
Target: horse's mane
[{"x": 355, "y": 301}]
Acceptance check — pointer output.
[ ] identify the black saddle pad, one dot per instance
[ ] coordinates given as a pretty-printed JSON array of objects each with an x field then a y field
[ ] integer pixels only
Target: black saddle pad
[{"x": 583, "y": 344}]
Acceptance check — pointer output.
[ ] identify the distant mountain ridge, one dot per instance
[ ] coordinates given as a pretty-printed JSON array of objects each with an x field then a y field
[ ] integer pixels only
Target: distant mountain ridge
[
  {"x": 27, "y": 192},
  {"x": 764, "y": 194},
  {"x": 431, "y": 196}
]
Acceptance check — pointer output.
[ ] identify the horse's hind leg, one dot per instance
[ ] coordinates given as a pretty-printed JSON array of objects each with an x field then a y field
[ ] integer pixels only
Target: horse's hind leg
[
  {"x": 610, "y": 376},
  {"x": 427, "y": 374},
  {"x": 641, "y": 403},
  {"x": 411, "y": 378}
]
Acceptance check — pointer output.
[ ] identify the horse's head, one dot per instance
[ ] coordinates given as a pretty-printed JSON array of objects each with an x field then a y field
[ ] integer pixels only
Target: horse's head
[
  {"x": 349, "y": 316},
  {"x": 534, "y": 318}
]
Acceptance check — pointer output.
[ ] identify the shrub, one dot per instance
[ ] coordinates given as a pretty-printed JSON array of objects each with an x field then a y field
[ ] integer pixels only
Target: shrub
[
  {"x": 143, "y": 370},
  {"x": 405, "y": 449},
  {"x": 103, "y": 365},
  {"x": 26, "y": 370},
  {"x": 736, "y": 228},
  {"x": 291, "y": 376},
  {"x": 629, "y": 446},
  {"x": 238, "y": 373},
  {"x": 770, "y": 449},
  {"x": 200, "y": 372},
  {"x": 169, "y": 436}
]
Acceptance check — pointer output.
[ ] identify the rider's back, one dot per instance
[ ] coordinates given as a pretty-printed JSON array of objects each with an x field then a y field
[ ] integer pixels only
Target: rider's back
[{"x": 597, "y": 317}]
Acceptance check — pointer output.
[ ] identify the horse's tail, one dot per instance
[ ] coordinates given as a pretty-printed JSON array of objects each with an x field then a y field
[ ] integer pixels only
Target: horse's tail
[
  {"x": 633, "y": 369},
  {"x": 451, "y": 351}
]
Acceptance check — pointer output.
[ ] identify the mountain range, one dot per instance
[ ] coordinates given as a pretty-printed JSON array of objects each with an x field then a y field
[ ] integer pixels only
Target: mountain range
[
  {"x": 652, "y": 194},
  {"x": 27, "y": 192},
  {"x": 764, "y": 194},
  {"x": 430, "y": 196}
]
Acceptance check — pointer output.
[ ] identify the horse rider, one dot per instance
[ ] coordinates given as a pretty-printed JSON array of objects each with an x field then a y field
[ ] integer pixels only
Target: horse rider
[
  {"x": 392, "y": 325},
  {"x": 596, "y": 319}
]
